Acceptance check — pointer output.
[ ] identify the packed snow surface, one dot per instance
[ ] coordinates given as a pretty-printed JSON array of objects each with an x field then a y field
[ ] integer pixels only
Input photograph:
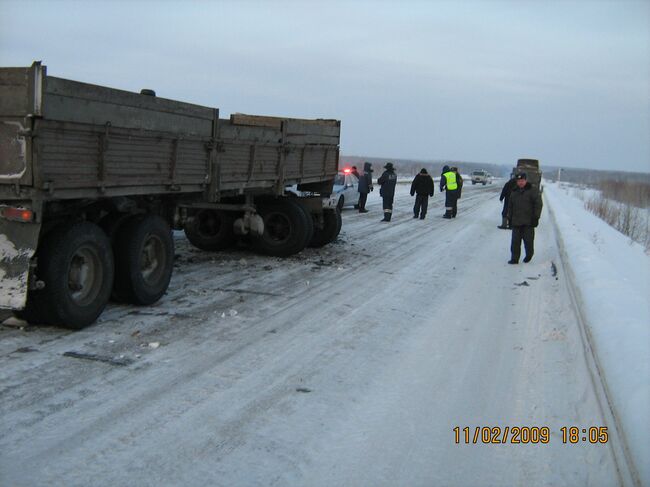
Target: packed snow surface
[
  {"x": 612, "y": 276},
  {"x": 346, "y": 365}
]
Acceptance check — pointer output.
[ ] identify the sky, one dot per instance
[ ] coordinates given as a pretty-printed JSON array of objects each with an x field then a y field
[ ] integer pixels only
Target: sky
[{"x": 565, "y": 82}]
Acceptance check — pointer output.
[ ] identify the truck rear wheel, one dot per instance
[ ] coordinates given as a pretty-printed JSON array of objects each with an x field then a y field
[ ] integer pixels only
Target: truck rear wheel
[
  {"x": 330, "y": 230},
  {"x": 144, "y": 258},
  {"x": 286, "y": 228},
  {"x": 76, "y": 265},
  {"x": 210, "y": 230}
]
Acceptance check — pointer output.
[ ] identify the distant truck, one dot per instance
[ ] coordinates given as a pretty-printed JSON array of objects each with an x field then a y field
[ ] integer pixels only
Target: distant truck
[
  {"x": 93, "y": 180},
  {"x": 531, "y": 168}
]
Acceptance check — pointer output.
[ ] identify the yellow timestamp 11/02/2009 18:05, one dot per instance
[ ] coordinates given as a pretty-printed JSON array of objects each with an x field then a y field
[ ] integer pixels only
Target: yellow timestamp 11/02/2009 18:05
[{"x": 529, "y": 434}]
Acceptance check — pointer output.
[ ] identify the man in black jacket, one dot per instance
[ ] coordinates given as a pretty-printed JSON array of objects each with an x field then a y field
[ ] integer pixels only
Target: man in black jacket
[
  {"x": 387, "y": 181},
  {"x": 524, "y": 210},
  {"x": 505, "y": 197},
  {"x": 365, "y": 186},
  {"x": 422, "y": 186}
]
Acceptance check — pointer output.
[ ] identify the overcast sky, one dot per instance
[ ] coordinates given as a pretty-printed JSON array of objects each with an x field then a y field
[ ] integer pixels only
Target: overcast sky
[{"x": 565, "y": 82}]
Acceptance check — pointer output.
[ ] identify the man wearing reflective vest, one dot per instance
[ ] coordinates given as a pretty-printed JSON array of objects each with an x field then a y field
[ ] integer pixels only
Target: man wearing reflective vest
[{"x": 449, "y": 184}]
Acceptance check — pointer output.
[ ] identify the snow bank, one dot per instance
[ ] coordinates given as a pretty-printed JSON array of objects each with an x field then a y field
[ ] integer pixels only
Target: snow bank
[{"x": 612, "y": 274}]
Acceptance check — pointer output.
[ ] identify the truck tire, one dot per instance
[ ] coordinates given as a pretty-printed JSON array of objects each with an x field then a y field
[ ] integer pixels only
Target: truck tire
[
  {"x": 339, "y": 224},
  {"x": 211, "y": 230},
  {"x": 144, "y": 258},
  {"x": 76, "y": 265},
  {"x": 309, "y": 221},
  {"x": 286, "y": 228},
  {"x": 330, "y": 230}
]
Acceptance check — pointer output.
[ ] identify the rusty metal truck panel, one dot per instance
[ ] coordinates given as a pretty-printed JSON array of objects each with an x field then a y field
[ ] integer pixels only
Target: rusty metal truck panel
[{"x": 81, "y": 140}]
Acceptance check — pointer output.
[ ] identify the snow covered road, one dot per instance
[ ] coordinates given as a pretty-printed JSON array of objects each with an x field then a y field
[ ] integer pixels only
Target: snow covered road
[{"x": 347, "y": 365}]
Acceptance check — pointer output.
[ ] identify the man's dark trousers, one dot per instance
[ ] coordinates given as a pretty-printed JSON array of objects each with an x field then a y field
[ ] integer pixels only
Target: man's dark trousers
[
  {"x": 519, "y": 233},
  {"x": 421, "y": 205},
  {"x": 363, "y": 197},
  {"x": 451, "y": 200}
]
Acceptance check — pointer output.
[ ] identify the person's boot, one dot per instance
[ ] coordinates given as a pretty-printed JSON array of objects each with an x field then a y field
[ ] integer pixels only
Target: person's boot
[
  {"x": 386, "y": 217},
  {"x": 363, "y": 210},
  {"x": 415, "y": 216},
  {"x": 528, "y": 258},
  {"x": 504, "y": 223},
  {"x": 422, "y": 217},
  {"x": 513, "y": 261},
  {"x": 389, "y": 215},
  {"x": 447, "y": 214}
]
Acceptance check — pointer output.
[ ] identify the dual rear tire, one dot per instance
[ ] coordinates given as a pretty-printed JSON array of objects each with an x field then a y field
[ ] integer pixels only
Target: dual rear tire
[
  {"x": 144, "y": 258},
  {"x": 331, "y": 227},
  {"x": 75, "y": 263},
  {"x": 288, "y": 228},
  {"x": 80, "y": 270},
  {"x": 211, "y": 229}
]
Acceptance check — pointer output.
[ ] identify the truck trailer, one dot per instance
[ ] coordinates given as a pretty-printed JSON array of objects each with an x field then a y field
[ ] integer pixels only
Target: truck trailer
[{"x": 93, "y": 180}]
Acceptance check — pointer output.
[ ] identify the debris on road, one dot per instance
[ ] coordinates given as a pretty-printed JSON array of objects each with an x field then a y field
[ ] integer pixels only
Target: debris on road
[{"x": 120, "y": 361}]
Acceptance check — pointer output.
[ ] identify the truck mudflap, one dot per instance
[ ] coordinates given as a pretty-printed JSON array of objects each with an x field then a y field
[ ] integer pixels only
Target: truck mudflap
[{"x": 18, "y": 242}]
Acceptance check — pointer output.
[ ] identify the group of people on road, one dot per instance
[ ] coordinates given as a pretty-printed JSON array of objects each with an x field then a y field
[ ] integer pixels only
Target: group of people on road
[
  {"x": 422, "y": 188},
  {"x": 522, "y": 202}
]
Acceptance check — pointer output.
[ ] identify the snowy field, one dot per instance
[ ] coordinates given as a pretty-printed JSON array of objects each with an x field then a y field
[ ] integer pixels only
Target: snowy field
[{"x": 351, "y": 365}]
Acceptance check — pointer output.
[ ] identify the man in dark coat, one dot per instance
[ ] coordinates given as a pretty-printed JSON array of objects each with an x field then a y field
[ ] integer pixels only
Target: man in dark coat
[
  {"x": 365, "y": 186},
  {"x": 524, "y": 210},
  {"x": 459, "y": 181},
  {"x": 422, "y": 187},
  {"x": 449, "y": 184},
  {"x": 387, "y": 181},
  {"x": 505, "y": 197}
]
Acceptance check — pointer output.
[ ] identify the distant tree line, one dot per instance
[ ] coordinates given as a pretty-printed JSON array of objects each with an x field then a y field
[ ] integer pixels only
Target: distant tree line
[{"x": 593, "y": 177}]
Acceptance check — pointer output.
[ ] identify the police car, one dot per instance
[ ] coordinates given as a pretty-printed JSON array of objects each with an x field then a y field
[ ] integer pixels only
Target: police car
[{"x": 346, "y": 189}]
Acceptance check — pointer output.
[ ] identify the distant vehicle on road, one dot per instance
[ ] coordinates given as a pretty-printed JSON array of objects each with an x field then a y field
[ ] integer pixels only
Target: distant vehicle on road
[{"x": 481, "y": 177}]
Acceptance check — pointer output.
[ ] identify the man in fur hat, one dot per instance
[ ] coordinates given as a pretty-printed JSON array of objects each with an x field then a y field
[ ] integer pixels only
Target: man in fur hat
[{"x": 387, "y": 181}]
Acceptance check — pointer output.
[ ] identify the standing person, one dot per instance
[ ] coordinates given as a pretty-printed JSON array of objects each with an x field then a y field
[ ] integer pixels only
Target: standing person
[
  {"x": 505, "y": 197},
  {"x": 422, "y": 185},
  {"x": 365, "y": 186},
  {"x": 449, "y": 184},
  {"x": 524, "y": 210},
  {"x": 387, "y": 181},
  {"x": 459, "y": 181}
]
